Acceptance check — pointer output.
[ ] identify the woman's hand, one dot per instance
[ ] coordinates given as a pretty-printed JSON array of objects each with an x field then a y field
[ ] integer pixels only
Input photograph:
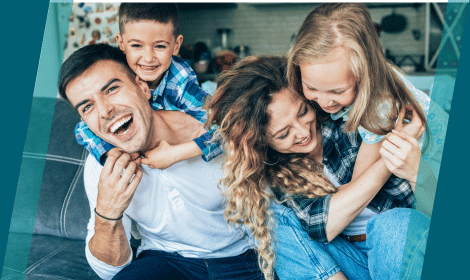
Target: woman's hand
[
  {"x": 414, "y": 127},
  {"x": 401, "y": 154}
]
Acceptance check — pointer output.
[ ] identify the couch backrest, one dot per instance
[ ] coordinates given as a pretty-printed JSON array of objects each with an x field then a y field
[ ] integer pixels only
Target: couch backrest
[{"x": 63, "y": 206}]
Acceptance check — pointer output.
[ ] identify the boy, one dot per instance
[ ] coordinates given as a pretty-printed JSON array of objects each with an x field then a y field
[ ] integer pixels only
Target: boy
[{"x": 149, "y": 37}]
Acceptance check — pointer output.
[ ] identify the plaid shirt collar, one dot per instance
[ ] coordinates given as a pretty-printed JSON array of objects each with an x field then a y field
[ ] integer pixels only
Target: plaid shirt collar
[{"x": 340, "y": 149}]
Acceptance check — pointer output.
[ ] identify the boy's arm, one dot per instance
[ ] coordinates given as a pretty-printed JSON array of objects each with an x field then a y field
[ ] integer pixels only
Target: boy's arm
[
  {"x": 189, "y": 98},
  {"x": 95, "y": 145},
  {"x": 165, "y": 155}
]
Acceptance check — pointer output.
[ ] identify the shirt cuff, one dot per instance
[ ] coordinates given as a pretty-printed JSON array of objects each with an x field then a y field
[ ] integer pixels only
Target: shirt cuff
[
  {"x": 210, "y": 147},
  {"x": 104, "y": 270}
]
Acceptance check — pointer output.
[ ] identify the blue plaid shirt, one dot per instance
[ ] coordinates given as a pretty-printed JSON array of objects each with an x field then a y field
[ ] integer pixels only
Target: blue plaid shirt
[
  {"x": 178, "y": 91},
  {"x": 339, "y": 156}
]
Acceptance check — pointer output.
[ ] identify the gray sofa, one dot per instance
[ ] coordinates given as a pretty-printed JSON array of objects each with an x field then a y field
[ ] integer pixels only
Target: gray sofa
[{"x": 57, "y": 248}]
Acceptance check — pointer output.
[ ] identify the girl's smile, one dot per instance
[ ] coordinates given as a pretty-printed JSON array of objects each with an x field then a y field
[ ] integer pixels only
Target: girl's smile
[{"x": 331, "y": 83}]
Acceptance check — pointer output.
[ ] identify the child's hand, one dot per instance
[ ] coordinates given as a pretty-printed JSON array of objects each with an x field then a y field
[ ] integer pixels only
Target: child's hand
[
  {"x": 401, "y": 155},
  {"x": 162, "y": 157},
  {"x": 135, "y": 157},
  {"x": 415, "y": 127}
]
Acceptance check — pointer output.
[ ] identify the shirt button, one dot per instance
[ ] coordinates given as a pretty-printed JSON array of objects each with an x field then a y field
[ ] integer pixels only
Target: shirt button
[{"x": 379, "y": 208}]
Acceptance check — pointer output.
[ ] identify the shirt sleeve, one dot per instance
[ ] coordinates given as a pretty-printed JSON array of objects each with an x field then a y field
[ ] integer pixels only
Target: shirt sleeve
[
  {"x": 401, "y": 191},
  {"x": 95, "y": 145},
  {"x": 210, "y": 148},
  {"x": 369, "y": 137},
  {"x": 91, "y": 178},
  {"x": 312, "y": 214},
  {"x": 189, "y": 99}
]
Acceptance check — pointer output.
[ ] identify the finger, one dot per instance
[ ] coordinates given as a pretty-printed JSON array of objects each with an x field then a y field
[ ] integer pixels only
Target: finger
[
  {"x": 114, "y": 151},
  {"x": 390, "y": 160},
  {"x": 135, "y": 182},
  {"x": 392, "y": 148},
  {"x": 135, "y": 155},
  {"x": 128, "y": 173},
  {"x": 120, "y": 164},
  {"x": 145, "y": 161},
  {"x": 111, "y": 159},
  {"x": 405, "y": 137},
  {"x": 138, "y": 161},
  {"x": 401, "y": 118}
]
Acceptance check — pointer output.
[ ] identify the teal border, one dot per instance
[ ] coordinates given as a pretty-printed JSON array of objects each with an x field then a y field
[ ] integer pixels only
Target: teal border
[
  {"x": 448, "y": 246},
  {"x": 31, "y": 170}
]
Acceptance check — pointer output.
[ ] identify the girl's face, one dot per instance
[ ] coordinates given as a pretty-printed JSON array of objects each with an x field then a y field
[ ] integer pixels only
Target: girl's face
[
  {"x": 292, "y": 127},
  {"x": 331, "y": 83}
]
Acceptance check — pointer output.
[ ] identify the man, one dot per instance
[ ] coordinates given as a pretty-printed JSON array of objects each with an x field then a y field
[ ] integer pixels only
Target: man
[{"x": 176, "y": 212}]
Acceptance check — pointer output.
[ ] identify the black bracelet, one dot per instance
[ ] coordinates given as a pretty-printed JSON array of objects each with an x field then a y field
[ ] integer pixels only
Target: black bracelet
[{"x": 107, "y": 218}]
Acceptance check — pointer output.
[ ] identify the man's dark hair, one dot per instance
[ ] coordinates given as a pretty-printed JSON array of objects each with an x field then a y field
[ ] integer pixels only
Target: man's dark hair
[
  {"x": 159, "y": 12},
  {"x": 84, "y": 58}
]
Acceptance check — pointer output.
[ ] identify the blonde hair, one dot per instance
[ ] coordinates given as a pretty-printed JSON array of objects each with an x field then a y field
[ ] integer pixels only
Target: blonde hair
[
  {"x": 349, "y": 26},
  {"x": 252, "y": 168}
]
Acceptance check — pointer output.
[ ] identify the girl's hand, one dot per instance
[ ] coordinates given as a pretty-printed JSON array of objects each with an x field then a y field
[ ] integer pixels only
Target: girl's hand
[
  {"x": 401, "y": 154},
  {"x": 414, "y": 127}
]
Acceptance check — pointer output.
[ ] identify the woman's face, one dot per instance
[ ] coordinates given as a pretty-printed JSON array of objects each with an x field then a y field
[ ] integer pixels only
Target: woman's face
[{"x": 292, "y": 127}]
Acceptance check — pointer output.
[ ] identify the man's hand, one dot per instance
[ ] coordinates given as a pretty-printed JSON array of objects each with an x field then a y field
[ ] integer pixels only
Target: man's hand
[
  {"x": 165, "y": 155},
  {"x": 401, "y": 154},
  {"x": 119, "y": 178}
]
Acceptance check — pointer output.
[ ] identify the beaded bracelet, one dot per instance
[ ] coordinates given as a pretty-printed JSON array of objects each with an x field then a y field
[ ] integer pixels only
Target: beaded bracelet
[{"x": 107, "y": 218}]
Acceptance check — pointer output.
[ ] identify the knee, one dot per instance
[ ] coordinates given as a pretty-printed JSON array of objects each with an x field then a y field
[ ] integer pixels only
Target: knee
[{"x": 398, "y": 218}]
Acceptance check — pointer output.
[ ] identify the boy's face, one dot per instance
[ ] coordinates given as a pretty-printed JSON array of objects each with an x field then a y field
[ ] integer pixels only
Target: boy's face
[{"x": 149, "y": 46}]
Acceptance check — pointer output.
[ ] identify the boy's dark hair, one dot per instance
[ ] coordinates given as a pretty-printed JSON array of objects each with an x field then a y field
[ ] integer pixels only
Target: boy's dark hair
[
  {"x": 159, "y": 12},
  {"x": 84, "y": 58}
]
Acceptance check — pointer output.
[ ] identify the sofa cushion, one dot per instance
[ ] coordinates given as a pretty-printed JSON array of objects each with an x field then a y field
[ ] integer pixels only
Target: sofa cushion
[
  {"x": 63, "y": 208},
  {"x": 52, "y": 258}
]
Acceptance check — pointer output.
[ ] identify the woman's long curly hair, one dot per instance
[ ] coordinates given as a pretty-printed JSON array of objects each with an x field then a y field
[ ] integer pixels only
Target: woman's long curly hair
[{"x": 252, "y": 170}]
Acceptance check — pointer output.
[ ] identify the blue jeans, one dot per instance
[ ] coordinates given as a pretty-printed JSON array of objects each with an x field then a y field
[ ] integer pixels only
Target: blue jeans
[
  {"x": 163, "y": 265},
  {"x": 381, "y": 256}
]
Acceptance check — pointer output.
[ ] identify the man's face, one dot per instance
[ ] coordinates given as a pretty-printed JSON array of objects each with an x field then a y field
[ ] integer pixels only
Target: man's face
[
  {"x": 113, "y": 106},
  {"x": 149, "y": 46}
]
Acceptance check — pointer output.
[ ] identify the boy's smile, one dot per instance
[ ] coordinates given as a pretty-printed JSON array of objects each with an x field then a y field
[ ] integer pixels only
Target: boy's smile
[{"x": 149, "y": 46}]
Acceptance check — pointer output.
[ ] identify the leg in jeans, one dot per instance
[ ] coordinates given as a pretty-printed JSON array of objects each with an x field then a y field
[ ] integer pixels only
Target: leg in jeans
[
  {"x": 163, "y": 266},
  {"x": 300, "y": 257},
  {"x": 401, "y": 235},
  {"x": 242, "y": 267}
]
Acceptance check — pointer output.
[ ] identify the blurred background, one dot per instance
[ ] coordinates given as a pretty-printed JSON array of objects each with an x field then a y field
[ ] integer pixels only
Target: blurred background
[{"x": 216, "y": 35}]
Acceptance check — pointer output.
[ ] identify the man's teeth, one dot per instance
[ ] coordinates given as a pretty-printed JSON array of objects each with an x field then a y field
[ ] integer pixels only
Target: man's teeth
[
  {"x": 305, "y": 140},
  {"x": 117, "y": 125}
]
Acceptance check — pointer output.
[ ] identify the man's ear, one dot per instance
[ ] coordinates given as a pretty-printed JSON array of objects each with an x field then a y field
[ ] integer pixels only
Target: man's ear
[
  {"x": 120, "y": 42},
  {"x": 143, "y": 86},
  {"x": 178, "y": 43}
]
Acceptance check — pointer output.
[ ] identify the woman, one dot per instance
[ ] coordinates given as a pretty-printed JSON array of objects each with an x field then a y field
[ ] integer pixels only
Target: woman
[{"x": 275, "y": 141}]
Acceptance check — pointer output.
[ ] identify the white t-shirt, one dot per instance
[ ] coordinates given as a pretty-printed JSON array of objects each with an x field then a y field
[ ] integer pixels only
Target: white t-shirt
[
  {"x": 179, "y": 209},
  {"x": 358, "y": 226}
]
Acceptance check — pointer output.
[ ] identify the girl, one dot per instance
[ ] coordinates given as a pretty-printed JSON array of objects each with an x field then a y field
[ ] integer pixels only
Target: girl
[
  {"x": 338, "y": 63},
  {"x": 274, "y": 145}
]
